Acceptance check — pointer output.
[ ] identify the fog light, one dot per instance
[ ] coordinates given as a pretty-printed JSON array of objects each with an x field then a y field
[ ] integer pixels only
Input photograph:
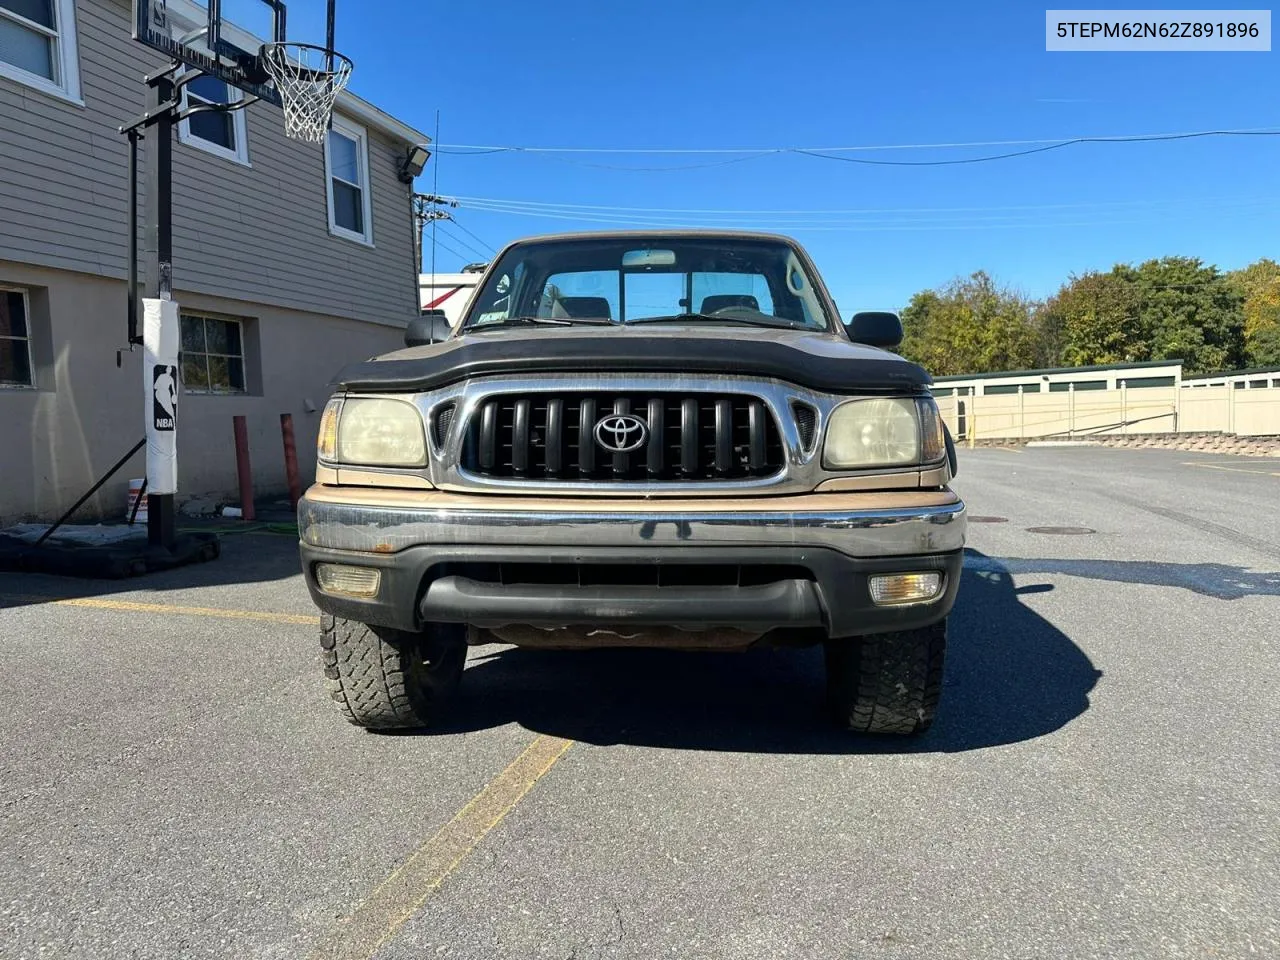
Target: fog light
[
  {"x": 892, "y": 589},
  {"x": 348, "y": 581}
]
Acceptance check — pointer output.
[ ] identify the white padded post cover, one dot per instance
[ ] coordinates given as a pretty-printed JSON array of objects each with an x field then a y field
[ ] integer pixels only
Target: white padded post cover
[{"x": 160, "y": 340}]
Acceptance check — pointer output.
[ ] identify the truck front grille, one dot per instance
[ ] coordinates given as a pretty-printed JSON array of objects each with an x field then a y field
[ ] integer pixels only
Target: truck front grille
[{"x": 682, "y": 437}]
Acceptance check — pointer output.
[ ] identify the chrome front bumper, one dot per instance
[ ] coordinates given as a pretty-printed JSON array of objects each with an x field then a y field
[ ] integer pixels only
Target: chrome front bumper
[
  {"x": 846, "y": 523},
  {"x": 429, "y": 545}
]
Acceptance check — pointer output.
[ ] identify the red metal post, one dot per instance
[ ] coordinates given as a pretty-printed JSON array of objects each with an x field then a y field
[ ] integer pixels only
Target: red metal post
[
  {"x": 243, "y": 469},
  {"x": 290, "y": 459}
]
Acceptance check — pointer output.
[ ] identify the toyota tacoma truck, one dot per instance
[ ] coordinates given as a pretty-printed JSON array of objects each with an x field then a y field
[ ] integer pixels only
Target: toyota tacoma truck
[{"x": 636, "y": 439}]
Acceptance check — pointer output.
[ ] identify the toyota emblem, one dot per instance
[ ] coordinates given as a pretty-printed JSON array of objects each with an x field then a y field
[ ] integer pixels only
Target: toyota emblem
[{"x": 621, "y": 433}]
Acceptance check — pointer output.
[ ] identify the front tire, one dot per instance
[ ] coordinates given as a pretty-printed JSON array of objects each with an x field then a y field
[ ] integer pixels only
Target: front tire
[
  {"x": 385, "y": 679},
  {"x": 887, "y": 682}
]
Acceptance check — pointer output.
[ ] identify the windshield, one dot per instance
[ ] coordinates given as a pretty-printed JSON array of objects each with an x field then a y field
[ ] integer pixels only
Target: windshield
[{"x": 724, "y": 280}]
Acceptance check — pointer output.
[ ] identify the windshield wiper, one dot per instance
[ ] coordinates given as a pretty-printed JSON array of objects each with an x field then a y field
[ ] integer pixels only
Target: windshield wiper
[
  {"x": 544, "y": 321},
  {"x": 708, "y": 318}
]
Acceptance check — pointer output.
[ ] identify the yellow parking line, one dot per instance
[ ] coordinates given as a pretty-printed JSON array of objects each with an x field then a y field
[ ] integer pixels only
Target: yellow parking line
[
  {"x": 1221, "y": 466},
  {"x": 128, "y": 606},
  {"x": 392, "y": 902}
]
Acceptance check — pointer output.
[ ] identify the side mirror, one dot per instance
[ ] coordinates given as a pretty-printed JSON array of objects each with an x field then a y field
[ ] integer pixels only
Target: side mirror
[
  {"x": 875, "y": 329},
  {"x": 431, "y": 327}
]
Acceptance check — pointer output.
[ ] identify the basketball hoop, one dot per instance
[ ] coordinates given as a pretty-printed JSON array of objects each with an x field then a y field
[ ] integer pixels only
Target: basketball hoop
[{"x": 308, "y": 79}]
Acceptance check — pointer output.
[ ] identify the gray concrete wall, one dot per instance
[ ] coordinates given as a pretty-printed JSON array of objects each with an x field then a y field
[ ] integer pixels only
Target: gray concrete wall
[{"x": 86, "y": 412}]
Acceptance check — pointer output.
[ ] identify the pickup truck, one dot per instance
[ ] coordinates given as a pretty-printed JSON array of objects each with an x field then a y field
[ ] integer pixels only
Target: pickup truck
[{"x": 640, "y": 439}]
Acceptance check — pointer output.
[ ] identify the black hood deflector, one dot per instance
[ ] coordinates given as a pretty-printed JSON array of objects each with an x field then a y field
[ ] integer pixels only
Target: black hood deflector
[{"x": 838, "y": 366}]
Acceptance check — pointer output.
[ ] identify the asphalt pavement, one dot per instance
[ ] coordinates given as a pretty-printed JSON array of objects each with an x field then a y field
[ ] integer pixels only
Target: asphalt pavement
[{"x": 1103, "y": 779}]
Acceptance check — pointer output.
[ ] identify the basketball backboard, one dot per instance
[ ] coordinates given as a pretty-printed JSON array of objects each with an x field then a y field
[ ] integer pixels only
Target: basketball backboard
[{"x": 198, "y": 35}]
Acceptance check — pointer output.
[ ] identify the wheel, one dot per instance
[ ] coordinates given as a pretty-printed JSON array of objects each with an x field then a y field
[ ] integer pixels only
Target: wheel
[
  {"x": 383, "y": 678},
  {"x": 887, "y": 682}
]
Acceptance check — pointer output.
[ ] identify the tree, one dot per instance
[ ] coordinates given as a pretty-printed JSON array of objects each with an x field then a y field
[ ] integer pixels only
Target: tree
[
  {"x": 1099, "y": 319},
  {"x": 1259, "y": 284},
  {"x": 970, "y": 326},
  {"x": 1192, "y": 313},
  {"x": 1050, "y": 336}
]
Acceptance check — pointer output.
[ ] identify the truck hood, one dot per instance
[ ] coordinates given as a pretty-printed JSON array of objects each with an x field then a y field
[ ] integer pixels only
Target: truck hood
[{"x": 820, "y": 361}]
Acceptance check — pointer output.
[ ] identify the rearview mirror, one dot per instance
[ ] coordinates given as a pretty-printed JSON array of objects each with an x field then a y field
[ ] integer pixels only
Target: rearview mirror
[
  {"x": 875, "y": 329},
  {"x": 649, "y": 258},
  {"x": 432, "y": 327}
]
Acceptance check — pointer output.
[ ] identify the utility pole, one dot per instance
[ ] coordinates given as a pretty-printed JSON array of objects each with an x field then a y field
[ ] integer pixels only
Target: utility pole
[{"x": 424, "y": 212}]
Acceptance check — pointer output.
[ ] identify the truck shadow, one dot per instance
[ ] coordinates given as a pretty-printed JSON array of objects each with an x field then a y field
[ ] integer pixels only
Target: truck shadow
[{"x": 1011, "y": 676}]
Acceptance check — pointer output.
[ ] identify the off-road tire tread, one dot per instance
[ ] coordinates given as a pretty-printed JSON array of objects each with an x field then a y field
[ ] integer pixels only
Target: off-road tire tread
[
  {"x": 888, "y": 682},
  {"x": 380, "y": 677}
]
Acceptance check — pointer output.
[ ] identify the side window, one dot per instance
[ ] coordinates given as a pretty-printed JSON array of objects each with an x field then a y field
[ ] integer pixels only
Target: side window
[
  {"x": 347, "y": 163},
  {"x": 38, "y": 45},
  {"x": 222, "y": 134}
]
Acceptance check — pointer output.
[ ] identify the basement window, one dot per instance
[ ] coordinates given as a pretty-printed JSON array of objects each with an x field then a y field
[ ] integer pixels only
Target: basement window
[
  {"x": 212, "y": 354},
  {"x": 15, "y": 339}
]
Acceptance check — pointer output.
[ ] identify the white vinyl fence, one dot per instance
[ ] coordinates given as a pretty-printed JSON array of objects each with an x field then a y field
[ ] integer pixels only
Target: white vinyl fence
[{"x": 1069, "y": 414}]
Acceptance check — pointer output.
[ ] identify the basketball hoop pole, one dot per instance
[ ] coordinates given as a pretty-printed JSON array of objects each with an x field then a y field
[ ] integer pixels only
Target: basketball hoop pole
[
  {"x": 280, "y": 72},
  {"x": 161, "y": 513},
  {"x": 161, "y": 334}
]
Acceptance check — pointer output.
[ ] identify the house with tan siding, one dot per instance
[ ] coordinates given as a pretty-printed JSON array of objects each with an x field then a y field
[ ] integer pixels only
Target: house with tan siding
[{"x": 290, "y": 259}]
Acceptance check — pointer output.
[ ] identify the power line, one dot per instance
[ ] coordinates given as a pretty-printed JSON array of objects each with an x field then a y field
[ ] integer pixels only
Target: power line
[
  {"x": 756, "y": 212},
  {"x": 492, "y": 249},
  {"x": 465, "y": 244},
  {"x": 1044, "y": 149},
  {"x": 452, "y": 147},
  {"x": 853, "y": 226},
  {"x": 447, "y": 249},
  {"x": 1047, "y": 218}
]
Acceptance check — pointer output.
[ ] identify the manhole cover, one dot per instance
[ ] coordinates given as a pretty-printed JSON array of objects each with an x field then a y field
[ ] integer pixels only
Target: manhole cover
[
  {"x": 1062, "y": 531},
  {"x": 988, "y": 519}
]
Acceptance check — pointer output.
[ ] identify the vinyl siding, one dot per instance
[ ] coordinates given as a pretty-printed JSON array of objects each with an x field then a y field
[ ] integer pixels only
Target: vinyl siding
[{"x": 258, "y": 234}]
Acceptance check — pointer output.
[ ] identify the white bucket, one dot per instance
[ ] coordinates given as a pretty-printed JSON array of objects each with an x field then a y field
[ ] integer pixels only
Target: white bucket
[{"x": 135, "y": 488}]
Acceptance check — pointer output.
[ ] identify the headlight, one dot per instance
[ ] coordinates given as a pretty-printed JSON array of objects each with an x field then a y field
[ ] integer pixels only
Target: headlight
[
  {"x": 880, "y": 432},
  {"x": 382, "y": 433}
]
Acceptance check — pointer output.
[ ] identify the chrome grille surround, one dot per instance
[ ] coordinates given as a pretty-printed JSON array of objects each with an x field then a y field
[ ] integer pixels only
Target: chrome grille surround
[{"x": 801, "y": 470}]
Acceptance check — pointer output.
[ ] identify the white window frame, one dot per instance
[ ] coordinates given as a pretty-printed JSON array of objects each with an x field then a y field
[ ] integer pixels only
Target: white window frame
[
  {"x": 244, "y": 360},
  {"x": 239, "y": 129},
  {"x": 352, "y": 131},
  {"x": 178, "y": 26},
  {"x": 31, "y": 360},
  {"x": 66, "y": 56}
]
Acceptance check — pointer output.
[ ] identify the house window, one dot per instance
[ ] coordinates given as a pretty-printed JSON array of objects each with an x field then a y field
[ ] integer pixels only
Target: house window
[
  {"x": 218, "y": 132},
  {"x": 38, "y": 45},
  {"x": 212, "y": 354},
  {"x": 1140, "y": 382},
  {"x": 999, "y": 388},
  {"x": 15, "y": 339},
  {"x": 347, "y": 165}
]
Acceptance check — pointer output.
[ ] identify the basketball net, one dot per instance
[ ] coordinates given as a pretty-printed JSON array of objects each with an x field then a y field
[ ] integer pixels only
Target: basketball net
[{"x": 308, "y": 79}]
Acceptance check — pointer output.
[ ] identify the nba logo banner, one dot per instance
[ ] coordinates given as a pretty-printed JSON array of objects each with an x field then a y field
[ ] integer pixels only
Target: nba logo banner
[
  {"x": 160, "y": 389},
  {"x": 164, "y": 396}
]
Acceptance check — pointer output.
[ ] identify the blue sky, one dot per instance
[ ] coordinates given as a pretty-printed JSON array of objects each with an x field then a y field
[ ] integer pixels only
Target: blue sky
[{"x": 745, "y": 73}]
